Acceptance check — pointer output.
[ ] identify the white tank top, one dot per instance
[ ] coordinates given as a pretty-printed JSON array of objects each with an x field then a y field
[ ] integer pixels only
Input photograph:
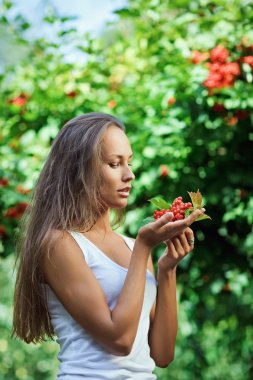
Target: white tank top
[{"x": 80, "y": 356}]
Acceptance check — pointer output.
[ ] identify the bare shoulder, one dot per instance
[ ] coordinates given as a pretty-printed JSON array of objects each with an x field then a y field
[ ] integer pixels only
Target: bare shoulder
[
  {"x": 58, "y": 238},
  {"x": 63, "y": 253}
]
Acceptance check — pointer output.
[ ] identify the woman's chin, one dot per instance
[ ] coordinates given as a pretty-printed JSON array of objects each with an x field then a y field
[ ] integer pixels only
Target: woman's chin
[{"x": 118, "y": 205}]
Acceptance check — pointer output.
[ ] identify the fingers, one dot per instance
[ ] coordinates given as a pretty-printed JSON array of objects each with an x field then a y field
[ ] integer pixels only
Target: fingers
[
  {"x": 168, "y": 217},
  {"x": 187, "y": 240},
  {"x": 176, "y": 249},
  {"x": 175, "y": 228},
  {"x": 183, "y": 243},
  {"x": 172, "y": 250},
  {"x": 189, "y": 235},
  {"x": 162, "y": 229},
  {"x": 181, "y": 251},
  {"x": 194, "y": 215}
]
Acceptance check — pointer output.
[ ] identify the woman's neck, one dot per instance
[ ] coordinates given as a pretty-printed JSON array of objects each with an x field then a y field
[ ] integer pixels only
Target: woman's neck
[{"x": 102, "y": 225}]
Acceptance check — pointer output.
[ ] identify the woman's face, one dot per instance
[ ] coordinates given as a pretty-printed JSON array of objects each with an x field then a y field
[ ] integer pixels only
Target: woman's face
[{"x": 116, "y": 168}]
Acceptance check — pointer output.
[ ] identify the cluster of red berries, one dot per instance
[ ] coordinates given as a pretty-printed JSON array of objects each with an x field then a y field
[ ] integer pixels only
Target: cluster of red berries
[
  {"x": 17, "y": 211},
  {"x": 221, "y": 74},
  {"x": 20, "y": 100},
  {"x": 178, "y": 208},
  {"x": 4, "y": 182},
  {"x": 222, "y": 71},
  {"x": 3, "y": 232},
  {"x": 232, "y": 120}
]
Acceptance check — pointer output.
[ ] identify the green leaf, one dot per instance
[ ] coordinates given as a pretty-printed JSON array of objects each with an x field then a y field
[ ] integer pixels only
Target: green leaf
[
  {"x": 190, "y": 210},
  {"x": 68, "y": 18},
  {"x": 204, "y": 216},
  {"x": 50, "y": 19},
  {"x": 160, "y": 203}
]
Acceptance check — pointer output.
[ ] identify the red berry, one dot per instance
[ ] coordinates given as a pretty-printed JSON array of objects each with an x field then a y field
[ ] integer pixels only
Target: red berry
[
  {"x": 164, "y": 171},
  {"x": 12, "y": 213},
  {"x": 4, "y": 182},
  {"x": 112, "y": 103},
  {"x": 3, "y": 232},
  {"x": 21, "y": 206},
  {"x": 171, "y": 100}
]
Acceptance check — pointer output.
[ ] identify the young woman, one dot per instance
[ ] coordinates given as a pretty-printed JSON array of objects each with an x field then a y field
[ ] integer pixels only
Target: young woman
[{"x": 80, "y": 280}]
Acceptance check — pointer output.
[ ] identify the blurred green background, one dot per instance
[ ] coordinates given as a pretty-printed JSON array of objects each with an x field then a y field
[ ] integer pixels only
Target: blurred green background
[{"x": 179, "y": 75}]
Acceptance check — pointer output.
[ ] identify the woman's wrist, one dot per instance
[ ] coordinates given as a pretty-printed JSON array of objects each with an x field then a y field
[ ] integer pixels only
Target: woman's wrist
[
  {"x": 166, "y": 273},
  {"x": 143, "y": 243}
]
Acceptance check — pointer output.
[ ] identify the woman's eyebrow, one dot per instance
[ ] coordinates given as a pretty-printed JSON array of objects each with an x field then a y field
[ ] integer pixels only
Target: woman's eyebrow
[{"x": 120, "y": 156}]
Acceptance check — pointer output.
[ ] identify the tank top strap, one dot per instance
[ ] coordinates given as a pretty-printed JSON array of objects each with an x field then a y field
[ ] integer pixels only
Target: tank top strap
[
  {"x": 84, "y": 243},
  {"x": 129, "y": 242},
  {"x": 81, "y": 241}
]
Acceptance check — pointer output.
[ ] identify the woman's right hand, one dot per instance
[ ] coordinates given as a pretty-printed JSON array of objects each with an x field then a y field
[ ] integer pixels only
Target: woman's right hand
[{"x": 164, "y": 229}]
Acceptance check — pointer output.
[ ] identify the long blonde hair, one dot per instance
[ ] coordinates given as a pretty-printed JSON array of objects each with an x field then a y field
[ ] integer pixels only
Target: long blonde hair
[{"x": 66, "y": 197}]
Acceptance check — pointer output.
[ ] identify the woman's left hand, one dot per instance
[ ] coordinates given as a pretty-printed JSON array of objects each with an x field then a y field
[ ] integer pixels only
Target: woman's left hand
[{"x": 177, "y": 248}]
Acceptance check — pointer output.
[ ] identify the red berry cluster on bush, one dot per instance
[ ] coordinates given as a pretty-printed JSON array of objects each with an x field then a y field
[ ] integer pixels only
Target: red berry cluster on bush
[
  {"x": 222, "y": 70},
  {"x": 4, "y": 182},
  {"x": 178, "y": 208},
  {"x": 248, "y": 60},
  {"x": 3, "y": 232},
  {"x": 17, "y": 211},
  {"x": 20, "y": 100},
  {"x": 11, "y": 215},
  {"x": 164, "y": 171}
]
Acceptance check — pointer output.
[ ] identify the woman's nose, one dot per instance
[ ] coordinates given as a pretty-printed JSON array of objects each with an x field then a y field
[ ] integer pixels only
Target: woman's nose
[{"x": 128, "y": 175}]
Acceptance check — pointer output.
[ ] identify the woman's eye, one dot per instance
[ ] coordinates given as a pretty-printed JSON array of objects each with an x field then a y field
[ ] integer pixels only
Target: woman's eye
[{"x": 115, "y": 165}]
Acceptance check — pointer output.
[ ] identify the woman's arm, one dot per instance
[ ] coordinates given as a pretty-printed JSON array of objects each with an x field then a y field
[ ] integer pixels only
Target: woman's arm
[
  {"x": 76, "y": 287},
  {"x": 163, "y": 330}
]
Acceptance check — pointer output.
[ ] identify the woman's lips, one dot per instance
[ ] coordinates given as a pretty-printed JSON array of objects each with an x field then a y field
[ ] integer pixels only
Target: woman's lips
[{"x": 125, "y": 192}]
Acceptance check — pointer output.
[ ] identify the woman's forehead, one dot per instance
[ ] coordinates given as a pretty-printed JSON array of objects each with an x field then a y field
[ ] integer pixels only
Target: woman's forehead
[{"x": 115, "y": 142}]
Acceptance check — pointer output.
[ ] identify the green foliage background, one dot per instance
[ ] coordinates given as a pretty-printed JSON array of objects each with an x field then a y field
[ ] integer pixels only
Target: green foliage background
[{"x": 141, "y": 61}]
